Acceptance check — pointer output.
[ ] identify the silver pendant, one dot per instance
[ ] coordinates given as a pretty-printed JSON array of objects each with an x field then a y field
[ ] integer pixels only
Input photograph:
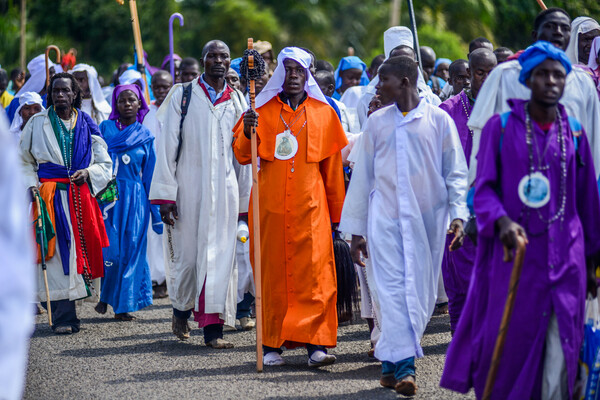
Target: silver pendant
[
  {"x": 292, "y": 169},
  {"x": 286, "y": 145}
]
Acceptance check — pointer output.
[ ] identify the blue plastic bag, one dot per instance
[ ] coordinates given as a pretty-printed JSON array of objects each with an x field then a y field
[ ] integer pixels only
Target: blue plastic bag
[{"x": 588, "y": 385}]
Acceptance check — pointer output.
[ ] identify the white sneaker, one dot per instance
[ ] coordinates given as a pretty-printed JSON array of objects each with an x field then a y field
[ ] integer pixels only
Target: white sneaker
[
  {"x": 273, "y": 358},
  {"x": 319, "y": 358}
]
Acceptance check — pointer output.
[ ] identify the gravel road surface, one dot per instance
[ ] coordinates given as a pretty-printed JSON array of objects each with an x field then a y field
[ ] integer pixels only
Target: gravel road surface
[{"x": 142, "y": 359}]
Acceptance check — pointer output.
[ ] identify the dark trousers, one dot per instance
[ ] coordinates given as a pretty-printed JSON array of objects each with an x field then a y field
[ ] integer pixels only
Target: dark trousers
[
  {"x": 244, "y": 306},
  {"x": 211, "y": 332},
  {"x": 63, "y": 314}
]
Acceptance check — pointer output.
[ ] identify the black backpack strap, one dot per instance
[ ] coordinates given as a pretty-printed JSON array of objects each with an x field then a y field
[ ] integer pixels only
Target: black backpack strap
[{"x": 185, "y": 104}]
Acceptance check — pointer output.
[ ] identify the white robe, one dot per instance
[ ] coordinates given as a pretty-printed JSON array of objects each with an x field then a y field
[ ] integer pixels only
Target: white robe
[
  {"x": 580, "y": 98},
  {"x": 17, "y": 271},
  {"x": 410, "y": 175},
  {"x": 154, "y": 252},
  {"x": 210, "y": 189},
  {"x": 39, "y": 145}
]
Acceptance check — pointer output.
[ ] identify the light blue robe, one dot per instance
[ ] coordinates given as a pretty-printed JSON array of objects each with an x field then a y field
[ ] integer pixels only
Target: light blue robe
[{"x": 127, "y": 285}]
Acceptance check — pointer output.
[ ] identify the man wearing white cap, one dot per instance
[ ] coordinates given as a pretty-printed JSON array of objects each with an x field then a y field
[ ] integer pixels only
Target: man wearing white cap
[
  {"x": 92, "y": 99},
  {"x": 301, "y": 195},
  {"x": 392, "y": 38},
  {"x": 36, "y": 82},
  {"x": 30, "y": 103}
]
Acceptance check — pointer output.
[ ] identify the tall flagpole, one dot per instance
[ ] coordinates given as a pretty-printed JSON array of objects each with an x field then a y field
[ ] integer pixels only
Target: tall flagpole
[
  {"x": 139, "y": 49},
  {"x": 23, "y": 48},
  {"x": 413, "y": 25}
]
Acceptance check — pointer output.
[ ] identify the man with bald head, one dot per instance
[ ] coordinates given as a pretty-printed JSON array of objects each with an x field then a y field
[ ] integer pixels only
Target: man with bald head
[
  {"x": 458, "y": 265},
  {"x": 201, "y": 191}
]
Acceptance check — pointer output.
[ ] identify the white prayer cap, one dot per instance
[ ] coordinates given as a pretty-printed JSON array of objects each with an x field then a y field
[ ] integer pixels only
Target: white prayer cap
[
  {"x": 275, "y": 84},
  {"x": 95, "y": 89},
  {"x": 397, "y": 36},
  {"x": 579, "y": 25},
  {"x": 37, "y": 70},
  {"x": 130, "y": 76},
  {"x": 26, "y": 98}
]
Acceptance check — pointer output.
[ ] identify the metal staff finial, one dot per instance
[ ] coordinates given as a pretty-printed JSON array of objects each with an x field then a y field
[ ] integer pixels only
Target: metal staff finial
[{"x": 171, "y": 47}]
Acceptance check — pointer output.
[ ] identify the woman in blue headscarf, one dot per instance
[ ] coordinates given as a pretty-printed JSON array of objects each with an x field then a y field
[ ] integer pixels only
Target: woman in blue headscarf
[
  {"x": 127, "y": 285},
  {"x": 351, "y": 71}
]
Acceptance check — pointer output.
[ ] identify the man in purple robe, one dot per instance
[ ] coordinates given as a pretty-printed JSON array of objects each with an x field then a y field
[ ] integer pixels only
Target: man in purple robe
[
  {"x": 457, "y": 265},
  {"x": 535, "y": 178}
]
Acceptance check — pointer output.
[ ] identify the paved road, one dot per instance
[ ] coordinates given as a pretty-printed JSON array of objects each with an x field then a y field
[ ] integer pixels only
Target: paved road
[{"x": 143, "y": 360}]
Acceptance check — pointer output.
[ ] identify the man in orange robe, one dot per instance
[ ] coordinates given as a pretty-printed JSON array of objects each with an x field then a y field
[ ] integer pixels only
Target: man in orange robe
[{"x": 301, "y": 196}]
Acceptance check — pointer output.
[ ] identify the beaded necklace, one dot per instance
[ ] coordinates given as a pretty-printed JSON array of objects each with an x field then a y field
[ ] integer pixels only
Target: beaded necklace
[
  {"x": 288, "y": 127},
  {"x": 467, "y": 110},
  {"x": 66, "y": 137},
  {"x": 560, "y": 214}
]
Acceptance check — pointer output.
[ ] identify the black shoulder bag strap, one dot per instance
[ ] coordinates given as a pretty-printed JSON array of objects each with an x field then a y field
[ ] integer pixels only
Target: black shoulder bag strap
[{"x": 185, "y": 104}]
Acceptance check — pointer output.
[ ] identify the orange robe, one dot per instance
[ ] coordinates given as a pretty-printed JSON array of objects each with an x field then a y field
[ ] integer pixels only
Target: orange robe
[{"x": 296, "y": 211}]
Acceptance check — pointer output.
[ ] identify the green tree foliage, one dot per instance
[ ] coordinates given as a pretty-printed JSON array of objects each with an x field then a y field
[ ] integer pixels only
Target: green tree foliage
[{"x": 101, "y": 29}]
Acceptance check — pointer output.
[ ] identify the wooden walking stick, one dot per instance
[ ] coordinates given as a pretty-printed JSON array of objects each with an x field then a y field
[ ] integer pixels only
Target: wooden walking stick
[
  {"x": 253, "y": 67},
  {"x": 171, "y": 46},
  {"x": 515, "y": 276},
  {"x": 40, "y": 226},
  {"x": 139, "y": 49},
  {"x": 541, "y": 3},
  {"x": 55, "y": 48}
]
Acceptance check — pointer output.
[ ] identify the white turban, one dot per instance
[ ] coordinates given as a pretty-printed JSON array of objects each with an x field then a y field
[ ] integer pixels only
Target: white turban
[
  {"x": 130, "y": 76},
  {"x": 95, "y": 89},
  {"x": 26, "y": 98},
  {"x": 579, "y": 25},
  {"x": 275, "y": 84},
  {"x": 37, "y": 70}
]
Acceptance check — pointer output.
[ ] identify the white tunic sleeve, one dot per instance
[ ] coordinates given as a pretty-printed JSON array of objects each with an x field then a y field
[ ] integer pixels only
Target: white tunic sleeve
[
  {"x": 356, "y": 206},
  {"x": 100, "y": 169},
  {"x": 164, "y": 183},
  {"x": 454, "y": 171}
]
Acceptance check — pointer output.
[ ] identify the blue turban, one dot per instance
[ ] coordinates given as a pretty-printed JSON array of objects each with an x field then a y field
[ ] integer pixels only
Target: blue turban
[
  {"x": 235, "y": 64},
  {"x": 536, "y": 54},
  {"x": 441, "y": 61},
  {"x": 351, "y": 62}
]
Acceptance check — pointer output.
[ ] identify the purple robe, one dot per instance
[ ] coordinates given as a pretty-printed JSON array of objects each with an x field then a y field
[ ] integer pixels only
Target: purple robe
[
  {"x": 554, "y": 272},
  {"x": 457, "y": 265}
]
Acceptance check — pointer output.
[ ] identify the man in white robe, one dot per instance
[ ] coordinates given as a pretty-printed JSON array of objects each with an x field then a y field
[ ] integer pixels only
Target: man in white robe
[
  {"x": 410, "y": 175},
  {"x": 162, "y": 82},
  {"x": 202, "y": 190},
  {"x": 43, "y": 158},
  {"x": 580, "y": 97},
  {"x": 92, "y": 100},
  {"x": 17, "y": 274}
]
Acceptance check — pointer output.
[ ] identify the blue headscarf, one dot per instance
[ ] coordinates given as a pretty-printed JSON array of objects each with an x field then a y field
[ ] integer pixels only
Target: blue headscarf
[
  {"x": 351, "y": 62},
  {"x": 536, "y": 54},
  {"x": 441, "y": 61},
  {"x": 235, "y": 64}
]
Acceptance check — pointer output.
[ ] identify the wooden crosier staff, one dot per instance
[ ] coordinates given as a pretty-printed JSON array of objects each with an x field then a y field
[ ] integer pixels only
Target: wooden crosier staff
[
  {"x": 55, "y": 48},
  {"x": 515, "y": 276},
  {"x": 251, "y": 78},
  {"x": 40, "y": 225},
  {"x": 137, "y": 37},
  {"x": 541, "y": 3}
]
